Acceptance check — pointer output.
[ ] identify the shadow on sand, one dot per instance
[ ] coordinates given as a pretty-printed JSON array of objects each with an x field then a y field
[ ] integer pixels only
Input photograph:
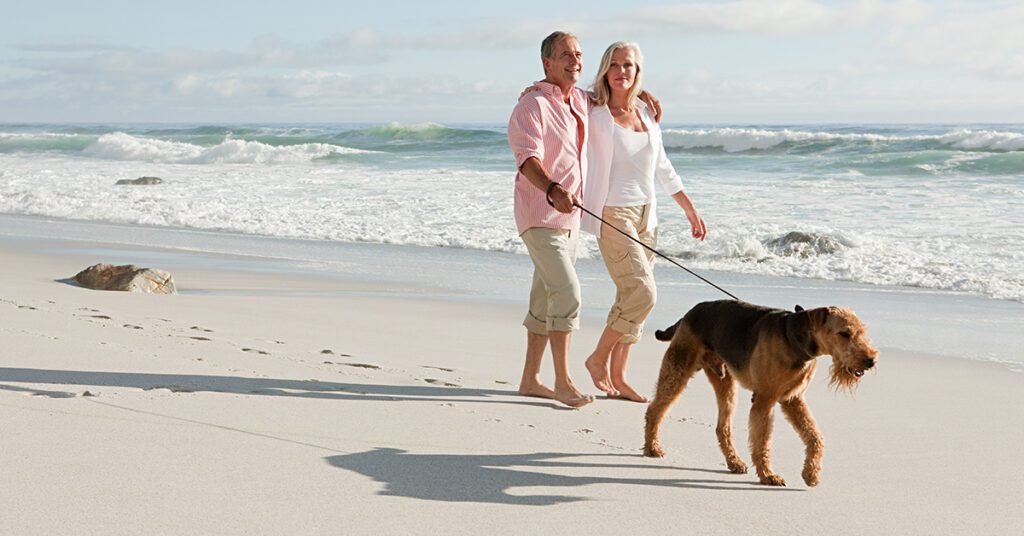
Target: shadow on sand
[
  {"x": 189, "y": 383},
  {"x": 492, "y": 478}
]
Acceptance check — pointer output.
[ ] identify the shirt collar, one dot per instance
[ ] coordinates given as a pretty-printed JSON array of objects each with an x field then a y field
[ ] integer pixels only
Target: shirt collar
[{"x": 549, "y": 89}]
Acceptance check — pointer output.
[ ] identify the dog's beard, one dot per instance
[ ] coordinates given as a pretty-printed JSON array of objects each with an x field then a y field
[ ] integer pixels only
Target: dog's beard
[{"x": 842, "y": 377}]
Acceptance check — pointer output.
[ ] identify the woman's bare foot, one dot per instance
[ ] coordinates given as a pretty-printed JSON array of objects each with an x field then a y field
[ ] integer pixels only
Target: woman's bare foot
[
  {"x": 599, "y": 374},
  {"x": 626, "y": 392}
]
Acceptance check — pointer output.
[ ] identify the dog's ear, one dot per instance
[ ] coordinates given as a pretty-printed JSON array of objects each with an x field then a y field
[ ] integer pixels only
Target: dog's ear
[
  {"x": 800, "y": 336},
  {"x": 798, "y": 308}
]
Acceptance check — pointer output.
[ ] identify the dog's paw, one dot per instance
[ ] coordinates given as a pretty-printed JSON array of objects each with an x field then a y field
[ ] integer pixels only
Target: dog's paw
[
  {"x": 811, "y": 477},
  {"x": 653, "y": 451},
  {"x": 736, "y": 466},
  {"x": 773, "y": 480}
]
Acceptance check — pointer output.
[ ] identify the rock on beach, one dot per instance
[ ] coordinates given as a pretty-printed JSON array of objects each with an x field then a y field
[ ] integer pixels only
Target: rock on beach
[{"x": 128, "y": 278}]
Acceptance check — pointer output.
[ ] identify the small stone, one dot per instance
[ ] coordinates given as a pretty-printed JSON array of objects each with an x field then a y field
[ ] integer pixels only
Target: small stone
[{"x": 141, "y": 181}]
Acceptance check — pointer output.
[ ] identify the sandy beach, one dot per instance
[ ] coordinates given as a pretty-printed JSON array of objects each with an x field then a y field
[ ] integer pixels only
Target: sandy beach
[{"x": 271, "y": 403}]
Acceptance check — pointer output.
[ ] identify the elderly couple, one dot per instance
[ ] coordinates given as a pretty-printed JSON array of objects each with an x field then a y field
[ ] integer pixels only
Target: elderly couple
[{"x": 601, "y": 150}]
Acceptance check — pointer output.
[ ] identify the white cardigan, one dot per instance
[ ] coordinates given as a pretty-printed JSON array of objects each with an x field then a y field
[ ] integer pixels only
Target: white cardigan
[{"x": 599, "y": 156}]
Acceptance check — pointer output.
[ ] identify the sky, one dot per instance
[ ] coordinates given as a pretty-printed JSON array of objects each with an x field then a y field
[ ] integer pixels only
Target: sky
[{"x": 376, "y": 61}]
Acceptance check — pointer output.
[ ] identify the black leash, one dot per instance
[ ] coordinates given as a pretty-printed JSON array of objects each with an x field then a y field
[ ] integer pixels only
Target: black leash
[{"x": 656, "y": 252}]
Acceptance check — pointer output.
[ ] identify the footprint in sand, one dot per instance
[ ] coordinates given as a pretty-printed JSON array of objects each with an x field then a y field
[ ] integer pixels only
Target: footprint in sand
[
  {"x": 132, "y": 326},
  {"x": 261, "y": 352},
  {"x": 204, "y": 330},
  {"x": 499, "y": 382},
  {"x": 201, "y": 338},
  {"x": 442, "y": 369},
  {"x": 435, "y": 381},
  {"x": 101, "y": 317},
  {"x": 29, "y": 307},
  {"x": 171, "y": 388},
  {"x": 360, "y": 365}
]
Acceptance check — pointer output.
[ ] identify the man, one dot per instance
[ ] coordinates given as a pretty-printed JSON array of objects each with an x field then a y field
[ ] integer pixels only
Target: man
[{"x": 547, "y": 133}]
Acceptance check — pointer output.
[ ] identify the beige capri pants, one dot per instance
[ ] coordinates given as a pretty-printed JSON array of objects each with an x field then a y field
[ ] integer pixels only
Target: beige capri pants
[
  {"x": 631, "y": 267},
  {"x": 555, "y": 295}
]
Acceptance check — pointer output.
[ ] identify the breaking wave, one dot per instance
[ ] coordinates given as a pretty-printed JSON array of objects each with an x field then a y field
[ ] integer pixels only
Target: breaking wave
[
  {"x": 121, "y": 146},
  {"x": 735, "y": 140}
]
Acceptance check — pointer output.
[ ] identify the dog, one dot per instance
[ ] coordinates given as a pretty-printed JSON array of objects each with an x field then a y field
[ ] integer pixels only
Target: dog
[{"x": 772, "y": 353}]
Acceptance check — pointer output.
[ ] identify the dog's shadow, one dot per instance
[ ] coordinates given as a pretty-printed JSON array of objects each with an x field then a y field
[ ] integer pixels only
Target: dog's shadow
[{"x": 494, "y": 478}]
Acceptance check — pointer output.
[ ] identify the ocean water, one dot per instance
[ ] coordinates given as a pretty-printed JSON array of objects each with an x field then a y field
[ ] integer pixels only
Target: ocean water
[{"x": 937, "y": 207}]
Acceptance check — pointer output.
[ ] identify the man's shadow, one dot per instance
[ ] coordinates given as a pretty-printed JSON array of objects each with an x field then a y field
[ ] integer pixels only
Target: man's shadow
[
  {"x": 493, "y": 478},
  {"x": 190, "y": 383}
]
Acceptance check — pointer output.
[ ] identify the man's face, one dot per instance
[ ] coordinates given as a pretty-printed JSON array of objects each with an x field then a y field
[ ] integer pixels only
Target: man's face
[{"x": 565, "y": 66}]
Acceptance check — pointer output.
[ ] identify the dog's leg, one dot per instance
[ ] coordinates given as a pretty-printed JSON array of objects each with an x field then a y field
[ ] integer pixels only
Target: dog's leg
[
  {"x": 761, "y": 440},
  {"x": 799, "y": 415},
  {"x": 725, "y": 392},
  {"x": 677, "y": 367}
]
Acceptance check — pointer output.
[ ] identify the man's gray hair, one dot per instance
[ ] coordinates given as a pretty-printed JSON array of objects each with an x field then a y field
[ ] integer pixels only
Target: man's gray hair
[{"x": 547, "y": 46}]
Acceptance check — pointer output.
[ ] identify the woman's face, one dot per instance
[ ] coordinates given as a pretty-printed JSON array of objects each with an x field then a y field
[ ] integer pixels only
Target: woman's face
[{"x": 622, "y": 72}]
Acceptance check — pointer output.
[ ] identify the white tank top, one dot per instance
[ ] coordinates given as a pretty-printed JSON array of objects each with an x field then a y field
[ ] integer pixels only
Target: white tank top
[{"x": 631, "y": 181}]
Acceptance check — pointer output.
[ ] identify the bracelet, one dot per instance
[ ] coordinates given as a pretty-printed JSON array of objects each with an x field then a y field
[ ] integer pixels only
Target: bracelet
[{"x": 547, "y": 193}]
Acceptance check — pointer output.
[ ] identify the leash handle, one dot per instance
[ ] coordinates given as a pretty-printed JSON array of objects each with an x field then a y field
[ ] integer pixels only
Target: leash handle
[{"x": 656, "y": 252}]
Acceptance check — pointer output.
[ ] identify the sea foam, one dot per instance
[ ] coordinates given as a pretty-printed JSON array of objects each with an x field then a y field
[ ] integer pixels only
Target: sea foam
[{"x": 122, "y": 146}]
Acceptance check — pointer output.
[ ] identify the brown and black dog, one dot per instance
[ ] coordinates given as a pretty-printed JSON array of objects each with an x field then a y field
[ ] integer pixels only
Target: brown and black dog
[{"x": 772, "y": 353}]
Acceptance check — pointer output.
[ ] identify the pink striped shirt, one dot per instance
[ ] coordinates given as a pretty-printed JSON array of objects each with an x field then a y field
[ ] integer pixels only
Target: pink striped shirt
[{"x": 542, "y": 126}]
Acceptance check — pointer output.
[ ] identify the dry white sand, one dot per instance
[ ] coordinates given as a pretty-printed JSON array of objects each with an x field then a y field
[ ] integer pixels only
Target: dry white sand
[{"x": 224, "y": 413}]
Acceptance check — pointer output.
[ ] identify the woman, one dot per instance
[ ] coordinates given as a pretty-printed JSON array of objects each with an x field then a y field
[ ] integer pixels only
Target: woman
[{"x": 626, "y": 155}]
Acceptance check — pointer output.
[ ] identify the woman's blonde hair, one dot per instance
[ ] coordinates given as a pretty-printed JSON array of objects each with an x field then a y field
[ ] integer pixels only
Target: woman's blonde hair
[{"x": 602, "y": 91}]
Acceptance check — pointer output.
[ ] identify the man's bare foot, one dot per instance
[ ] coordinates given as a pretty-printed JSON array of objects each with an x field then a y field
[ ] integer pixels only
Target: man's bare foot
[
  {"x": 536, "y": 389},
  {"x": 572, "y": 397},
  {"x": 599, "y": 374},
  {"x": 626, "y": 392}
]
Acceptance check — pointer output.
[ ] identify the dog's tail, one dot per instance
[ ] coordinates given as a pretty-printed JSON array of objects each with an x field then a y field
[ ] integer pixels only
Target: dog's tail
[{"x": 667, "y": 333}]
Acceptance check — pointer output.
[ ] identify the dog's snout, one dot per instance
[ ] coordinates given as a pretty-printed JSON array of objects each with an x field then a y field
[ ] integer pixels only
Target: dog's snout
[{"x": 869, "y": 362}]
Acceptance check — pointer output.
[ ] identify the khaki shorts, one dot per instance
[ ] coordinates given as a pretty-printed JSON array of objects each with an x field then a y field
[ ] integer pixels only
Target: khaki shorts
[
  {"x": 631, "y": 267},
  {"x": 555, "y": 294}
]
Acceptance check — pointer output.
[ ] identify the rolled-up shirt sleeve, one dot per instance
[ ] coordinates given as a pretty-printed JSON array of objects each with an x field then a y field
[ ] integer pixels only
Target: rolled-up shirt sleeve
[
  {"x": 667, "y": 177},
  {"x": 524, "y": 131}
]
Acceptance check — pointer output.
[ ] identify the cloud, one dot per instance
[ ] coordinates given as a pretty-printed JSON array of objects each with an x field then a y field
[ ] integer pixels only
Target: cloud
[
  {"x": 69, "y": 47},
  {"x": 779, "y": 17},
  {"x": 981, "y": 39}
]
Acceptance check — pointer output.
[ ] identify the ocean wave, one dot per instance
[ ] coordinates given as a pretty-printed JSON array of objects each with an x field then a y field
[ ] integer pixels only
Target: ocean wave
[
  {"x": 420, "y": 135},
  {"x": 12, "y": 142},
  {"x": 432, "y": 207},
  {"x": 122, "y": 146},
  {"x": 735, "y": 140},
  {"x": 984, "y": 140}
]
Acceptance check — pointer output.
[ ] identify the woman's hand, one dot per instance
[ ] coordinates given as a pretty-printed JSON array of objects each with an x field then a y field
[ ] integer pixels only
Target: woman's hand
[
  {"x": 698, "y": 228},
  {"x": 529, "y": 89}
]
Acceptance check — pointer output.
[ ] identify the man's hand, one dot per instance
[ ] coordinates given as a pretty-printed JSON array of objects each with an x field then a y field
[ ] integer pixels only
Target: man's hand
[
  {"x": 651, "y": 102},
  {"x": 561, "y": 199}
]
